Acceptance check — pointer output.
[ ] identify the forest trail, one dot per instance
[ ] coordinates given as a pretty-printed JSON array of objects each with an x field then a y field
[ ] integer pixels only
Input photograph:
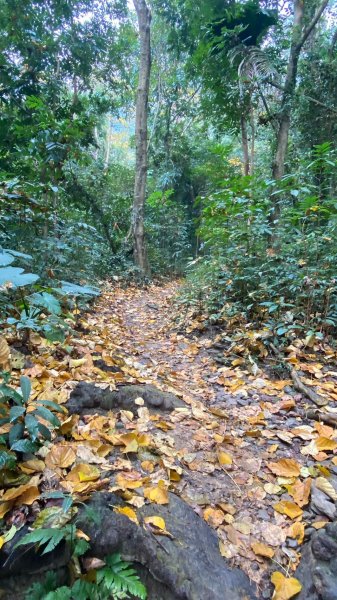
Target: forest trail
[
  {"x": 244, "y": 456},
  {"x": 238, "y": 447}
]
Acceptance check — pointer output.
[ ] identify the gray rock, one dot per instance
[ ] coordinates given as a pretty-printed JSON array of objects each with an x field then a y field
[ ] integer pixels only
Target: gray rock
[
  {"x": 318, "y": 566},
  {"x": 321, "y": 504},
  {"x": 87, "y": 398},
  {"x": 187, "y": 567}
]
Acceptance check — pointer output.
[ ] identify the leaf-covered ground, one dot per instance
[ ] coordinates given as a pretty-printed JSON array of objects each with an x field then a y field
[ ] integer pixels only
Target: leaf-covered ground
[{"x": 242, "y": 452}]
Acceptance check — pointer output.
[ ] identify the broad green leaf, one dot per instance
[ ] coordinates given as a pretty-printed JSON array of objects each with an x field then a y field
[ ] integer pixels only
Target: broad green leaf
[{"x": 26, "y": 387}]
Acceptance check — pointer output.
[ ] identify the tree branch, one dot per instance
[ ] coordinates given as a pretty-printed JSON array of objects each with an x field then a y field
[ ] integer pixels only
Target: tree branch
[
  {"x": 330, "y": 108},
  {"x": 312, "y": 23}
]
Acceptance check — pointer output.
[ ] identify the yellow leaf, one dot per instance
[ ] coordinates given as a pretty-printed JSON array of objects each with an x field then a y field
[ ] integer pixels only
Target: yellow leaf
[
  {"x": 262, "y": 549},
  {"x": 319, "y": 524},
  {"x": 296, "y": 531},
  {"x": 224, "y": 458},
  {"x": 285, "y": 588},
  {"x": 272, "y": 488},
  {"x": 2, "y": 541},
  {"x": 157, "y": 494},
  {"x": 286, "y": 467},
  {"x": 156, "y": 521},
  {"x": 325, "y": 486},
  {"x": 61, "y": 456},
  {"x": 324, "y": 443},
  {"x": 157, "y": 525},
  {"x": 128, "y": 512},
  {"x": 214, "y": 516},
  {"x": 290, "y": 509},
  {"x": 83, "y": 472}
]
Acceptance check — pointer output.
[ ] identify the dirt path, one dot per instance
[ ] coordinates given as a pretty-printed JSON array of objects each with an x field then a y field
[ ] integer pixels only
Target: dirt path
[
  {"x": 240, "y": 452},
  {"x": 229, "y": 440}
]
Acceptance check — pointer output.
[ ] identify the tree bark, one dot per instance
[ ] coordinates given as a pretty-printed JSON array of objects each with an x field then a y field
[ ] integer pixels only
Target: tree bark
[
  {"x": 137, "y": 220},
  {"x": 298, "y": 38},
  {"x": 244, "y": 139}
]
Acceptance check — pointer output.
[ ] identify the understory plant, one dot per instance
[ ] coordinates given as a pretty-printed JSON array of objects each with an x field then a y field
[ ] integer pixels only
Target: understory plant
[{"x": 268, "y": 250}]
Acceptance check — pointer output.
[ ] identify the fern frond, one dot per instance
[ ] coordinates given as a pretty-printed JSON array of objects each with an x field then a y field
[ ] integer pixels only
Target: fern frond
[{"x": 118, "y": 576}]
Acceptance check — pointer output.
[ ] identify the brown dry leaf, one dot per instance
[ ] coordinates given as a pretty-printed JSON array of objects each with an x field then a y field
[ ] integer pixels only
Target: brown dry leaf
[
  {"x": 60, "y": 456},
  {"x": 324, "y": 430},
  {"x": 32, "y": 466},
  {"x": 4, "y": 355},
  {"x": 262, "y": 549},
  {"x": 157, "y": 494},
  {"x": 15, "y": 493},
  {"x": 325, "y": 486},
  {"x": 128, "y": 512},
  {"x": 214, "y": 516},
  {"x": 300, "y": 491},
  {"x": 290, "y": 509},
  {"x": 286, "y": 467},
  {"x": 5, "y": 507},
  {"x": 296, "y": 531},
  {"x": 29, "y": 496},
  {"x": 128, "y": 481},
  {"x": 285, "y": 588}
]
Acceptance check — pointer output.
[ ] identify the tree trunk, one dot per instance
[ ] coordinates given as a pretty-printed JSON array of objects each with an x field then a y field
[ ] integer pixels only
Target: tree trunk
[
  {"x": 244, "y": 139},
  {"x": 137, "y": 221},
  {"x": 298, "y": 38}
]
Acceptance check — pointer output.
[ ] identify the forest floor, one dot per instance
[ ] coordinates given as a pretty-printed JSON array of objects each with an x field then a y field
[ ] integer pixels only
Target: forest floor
[{"x": 242, "y": 452}]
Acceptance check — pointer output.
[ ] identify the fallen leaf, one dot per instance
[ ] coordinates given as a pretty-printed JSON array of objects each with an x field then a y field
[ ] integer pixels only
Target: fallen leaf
[
  {"x": 83, "y": 472},
  {"x": 224, "y": 458},
  {"x": 290, "y": 509},
  {"x": 325, "y": 486},
  {"x": 286, "y": 467},
  {"x": 61, "y": 456},
  {"x": 296, "y": 531},
  {"x": 213, "y": 516},
  {"x": 262, "y": 549},
  {"x": 157, "y": 494},
  {"x": 285, "y": 588},
  {"x": 300, "y": 491},
  {"x": 128, "y": 512}
]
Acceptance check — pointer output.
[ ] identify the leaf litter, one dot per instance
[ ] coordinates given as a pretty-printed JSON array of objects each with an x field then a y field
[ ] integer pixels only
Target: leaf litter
[{"x": 241, "y": 452}]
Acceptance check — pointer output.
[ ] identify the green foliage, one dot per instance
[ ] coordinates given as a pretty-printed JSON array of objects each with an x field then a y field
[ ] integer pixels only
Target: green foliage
[
  {"x": 116, "y": 580},
  {"x": 24, "y": 416},
  {"x": 284, "y": 278}
]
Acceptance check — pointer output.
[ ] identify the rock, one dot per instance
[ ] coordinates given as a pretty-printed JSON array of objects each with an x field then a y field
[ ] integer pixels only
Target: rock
[
  {"x": 87, "y": 398},
  {"x": 318, "y": 566},
  {"x": 187, "y": 567},
  {"x": 321, "y": 504}
]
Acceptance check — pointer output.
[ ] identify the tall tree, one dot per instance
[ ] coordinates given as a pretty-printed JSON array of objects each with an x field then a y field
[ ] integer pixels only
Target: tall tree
[
  {"x": 300, "y": 34},
  {"x": 144, "y": 23}
]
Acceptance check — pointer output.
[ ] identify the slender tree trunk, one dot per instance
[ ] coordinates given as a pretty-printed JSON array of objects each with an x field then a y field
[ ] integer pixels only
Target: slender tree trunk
[
  {"x": 298, "y": 38},
  {"x": 244, "y": 140},
  {"x": 252, "y": 146},
  {"x": 137, "y": 221}
]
